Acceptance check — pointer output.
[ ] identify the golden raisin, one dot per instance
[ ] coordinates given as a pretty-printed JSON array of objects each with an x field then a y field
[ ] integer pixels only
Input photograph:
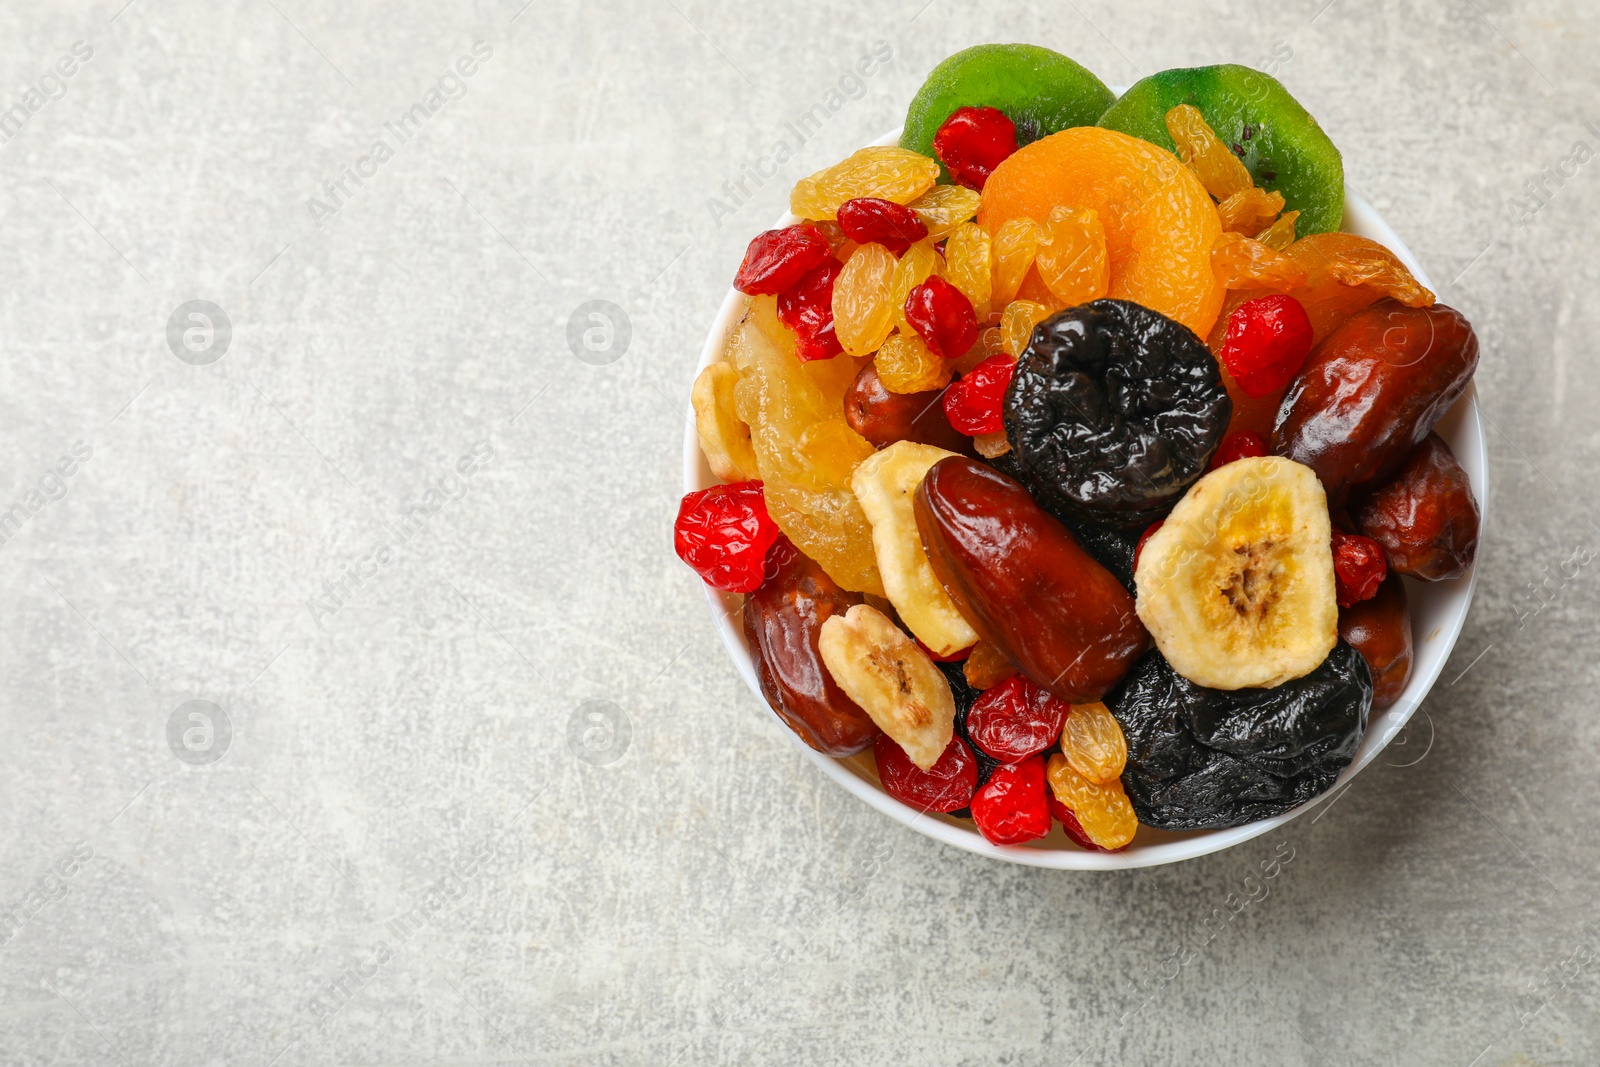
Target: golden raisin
[
  {"x": 991, "y": 445},
  {"x": 1218, "y": 169},
  {"x": 882, "y": 171},
  {"x": 966, "y": 265},
  {"x": 1015, "y": 245},
  {"x": 906, "y": 366},
  {"x": 986, "y": 667},
  {"x": 1280, "y": 235},
  {"x": 863, "y": 313},
  {"x": 991, "y": 342},
  {"x": 1092, "y": 742},
  {"x": 1249, "y": 210},
  {"x": 944, "y": 207},
  {"x": 1072, "y": 259},
  {"x": 1104, "y": 811},
  {"x": 1243, "y": 263},
  {"x": 1017, "y": 323}
]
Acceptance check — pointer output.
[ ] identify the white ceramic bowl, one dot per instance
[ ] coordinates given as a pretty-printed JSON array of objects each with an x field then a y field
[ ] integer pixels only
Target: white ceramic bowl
[{"x": 1438, "y": 610}]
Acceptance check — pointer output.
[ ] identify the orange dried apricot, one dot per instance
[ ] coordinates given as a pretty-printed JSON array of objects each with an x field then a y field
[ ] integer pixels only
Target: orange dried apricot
[{"x": 1159, "y": 220}]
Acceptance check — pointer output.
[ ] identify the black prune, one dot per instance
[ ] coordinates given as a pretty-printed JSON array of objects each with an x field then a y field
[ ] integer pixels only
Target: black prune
[
  {"x": 1113, "y": 412},
  {"x": 1204, "y": 759},
  {"x": 1111, "y": 548}
]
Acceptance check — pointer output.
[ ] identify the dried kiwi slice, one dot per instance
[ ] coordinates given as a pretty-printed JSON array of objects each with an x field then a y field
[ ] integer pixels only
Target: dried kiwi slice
[
  {"x": 1041, "y": 91},
  {"x": 1281, "y": 144}
]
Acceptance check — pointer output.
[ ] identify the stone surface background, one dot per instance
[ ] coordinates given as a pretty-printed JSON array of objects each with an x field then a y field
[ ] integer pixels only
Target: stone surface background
[{"x": 398, "y": 855}]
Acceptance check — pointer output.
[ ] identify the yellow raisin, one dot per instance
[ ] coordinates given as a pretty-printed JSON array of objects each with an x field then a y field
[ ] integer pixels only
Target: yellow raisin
[
  {"x": 1017, "y": 323},
  {"x": 991, "y": 342},
  {"x": 966, "y": 265},
  {"x": 1072, "y": 260},
  {"x": 906, "y": 366},
  {"x": 1104, "y": 811},
  {"x": 882, "y": 171},
  {"x": 991, "y": 445},
  {"x": 1379, "y": 268},
  {"x": 1249, "y": 210},
  {"x": 1093, "y": 743},
  {"x": 1016, "y": 243},
  {"x": 916, "y": 265},
  {"x": 986, "y": 667},
  {"x": 862, "y": 312},
  {"x": 1218, "y": 169},
  {"x": 1242, "y": 263},
  {"x": 944, "y": 207},
  {"x": 1280, "y": 234}
]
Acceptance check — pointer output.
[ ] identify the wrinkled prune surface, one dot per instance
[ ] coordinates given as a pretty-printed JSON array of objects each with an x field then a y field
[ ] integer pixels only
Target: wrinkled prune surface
[
  {"x": 1112, "y": 549},
  {"x": 1114, "y": 411},
  {"x": 1204, "y": 759}
]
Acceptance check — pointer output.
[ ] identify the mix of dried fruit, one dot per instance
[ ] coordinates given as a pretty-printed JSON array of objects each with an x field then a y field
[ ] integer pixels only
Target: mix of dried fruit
[{"x": 1071, "y": 459}]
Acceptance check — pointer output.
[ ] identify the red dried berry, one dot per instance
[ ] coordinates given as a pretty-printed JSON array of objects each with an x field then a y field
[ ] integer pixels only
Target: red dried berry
[
  {"x": 1268, "y": 341},
  {"x": 1358, "y": 568},
  {"x": 972, "y": 142},
  {"x": 1012, "y": 805},
  {"x": 894, "y": 226},
  {"x": 1016, "y": 719},
  {"x": 974, "y": 403},
  {"x": 723, "y": 533},
  {"x": 1149, "y": 532},
  {"x": 777, "y": 259},
  {"x": 954, "y": 657},
  {"x": 943, "y": 317},
  {"x": 1241, "y": 445},
  {"x": 946, "y": 786},
  {"x": 807, "y": 309},
  {"x": 1074, "y": 829}
]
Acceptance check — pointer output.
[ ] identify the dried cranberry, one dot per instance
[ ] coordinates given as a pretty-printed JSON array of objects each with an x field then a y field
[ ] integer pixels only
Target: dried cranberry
[
  {"x": 1241, "y": 445},
  {"x": 954, "y": 657},
  {"x": 975, "y": 404},
  {"x": 1015, "y": 719},
  {"x": 1268, "y": 341},
  {"x": 1074, "y": 829},
  {"x": 723, "y": 533},
  {"x": 1358, "y": 568},
  {"x": 777, "y": 259},
  {"x": 1149, "y": 532},
  {"x": 894, "y": 226},
  {"x": 807, "y": 309},
  {"x": 943, "y": 317},
  {"x": 972, "y": 142},
  {"x": 946, "y": 786},
  {"x": 1011, "y": 807}
]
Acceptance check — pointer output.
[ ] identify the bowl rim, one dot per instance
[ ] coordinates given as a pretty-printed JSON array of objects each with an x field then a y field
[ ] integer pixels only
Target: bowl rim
[{"x": 1467, "y": 441}]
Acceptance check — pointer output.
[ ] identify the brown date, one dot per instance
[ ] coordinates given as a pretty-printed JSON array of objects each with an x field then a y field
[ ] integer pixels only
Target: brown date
[
  {"x": 883, "y": 417},
  {"x": 1372, "y": 390},
  {"x": 1380, "y": 629},
  {"x": 1426, "y": 519},
  {"x": 781, "y": 623},
  {"x": 1024, "y": 583}
]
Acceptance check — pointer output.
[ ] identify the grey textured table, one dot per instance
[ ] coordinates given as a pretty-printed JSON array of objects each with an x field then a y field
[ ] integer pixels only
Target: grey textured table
[{"x": 471, "y": 780}]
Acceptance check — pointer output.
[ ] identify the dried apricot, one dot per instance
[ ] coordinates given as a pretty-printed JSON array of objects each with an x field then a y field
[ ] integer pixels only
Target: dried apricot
[
  {"x": 863, "y": 308},
  {"x": 1218, "y": 169},
  {"x": 881, "y": 171},
  {"x": 1072, "y": 261},
  {"x": 1159, "y": 220}
]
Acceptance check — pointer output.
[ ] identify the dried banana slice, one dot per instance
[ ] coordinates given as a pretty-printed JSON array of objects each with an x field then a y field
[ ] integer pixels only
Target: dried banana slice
[
  {"x": 1237, "y": 586},
  {"x": 893, "y": 680},
  {"x": 884, "y": 483},
  {"x": 724, "y": 437}
]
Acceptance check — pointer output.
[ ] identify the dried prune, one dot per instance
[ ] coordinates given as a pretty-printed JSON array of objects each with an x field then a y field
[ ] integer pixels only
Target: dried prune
[
  {"x": 1426, "y": 519},
  {"x": 1204, "y": 759},
  {"x": 1114, "y": 410},
  {"x": 781, "y": 622}
]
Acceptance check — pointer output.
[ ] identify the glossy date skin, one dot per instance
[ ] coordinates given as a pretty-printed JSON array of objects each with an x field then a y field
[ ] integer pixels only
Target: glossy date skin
[
  {"x": 1380, "y": 629},
  {"x": 1024, "y": 583},
  {"x": 883, "y": 417},
  {"x": 1371, "y": 391},
  {"x": 1426, "y": 518},
  {"x": 781, "y": 623}
]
